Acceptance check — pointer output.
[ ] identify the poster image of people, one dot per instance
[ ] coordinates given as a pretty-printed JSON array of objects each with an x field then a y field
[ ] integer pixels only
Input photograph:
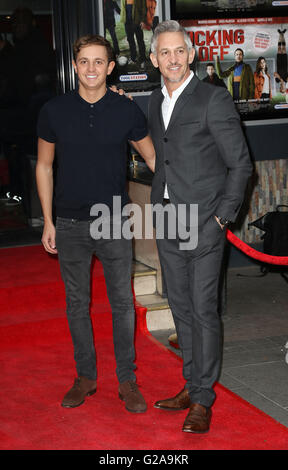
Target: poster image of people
[
  {"x": 185, "y": 8},
  {"x": 129, "y": 25},
  {"x": 249, "y": 55}
]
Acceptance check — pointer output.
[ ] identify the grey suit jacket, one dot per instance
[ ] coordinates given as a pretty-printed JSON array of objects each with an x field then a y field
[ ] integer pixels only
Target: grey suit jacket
[{"x": 202, "y": 156}]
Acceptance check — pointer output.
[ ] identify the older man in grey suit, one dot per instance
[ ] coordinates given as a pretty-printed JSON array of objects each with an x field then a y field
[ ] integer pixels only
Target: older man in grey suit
[{"x": 202, "y": 159}]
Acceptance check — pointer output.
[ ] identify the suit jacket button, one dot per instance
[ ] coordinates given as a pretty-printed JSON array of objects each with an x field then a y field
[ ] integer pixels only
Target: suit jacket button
[
  {"x": 167, "y": 162},
  {"x": 165, "y": 139}
]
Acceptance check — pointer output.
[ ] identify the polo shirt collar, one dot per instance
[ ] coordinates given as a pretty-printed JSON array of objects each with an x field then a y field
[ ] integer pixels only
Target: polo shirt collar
[{"x": 85, "y": 103}]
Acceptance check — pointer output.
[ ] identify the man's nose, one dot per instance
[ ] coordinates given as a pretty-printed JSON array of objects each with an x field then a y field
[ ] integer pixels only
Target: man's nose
[
  {"x": 172, "y": 57},
  {"x": 91, "y": 67}
]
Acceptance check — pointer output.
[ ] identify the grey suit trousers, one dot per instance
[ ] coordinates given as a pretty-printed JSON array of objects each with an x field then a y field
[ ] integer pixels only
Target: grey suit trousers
[{"x": 192, "y": 280}]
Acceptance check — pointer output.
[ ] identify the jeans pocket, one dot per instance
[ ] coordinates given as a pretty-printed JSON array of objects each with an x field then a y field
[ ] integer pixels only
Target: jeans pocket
[{"x": 63, "y": 224}]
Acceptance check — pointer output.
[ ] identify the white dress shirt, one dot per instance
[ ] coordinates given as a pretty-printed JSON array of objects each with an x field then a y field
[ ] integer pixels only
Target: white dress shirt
[{"x": 168, "y": 106}]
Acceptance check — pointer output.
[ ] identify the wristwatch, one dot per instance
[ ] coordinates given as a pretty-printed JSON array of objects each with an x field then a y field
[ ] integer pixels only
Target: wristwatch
[{"x": 224, "y": 221}]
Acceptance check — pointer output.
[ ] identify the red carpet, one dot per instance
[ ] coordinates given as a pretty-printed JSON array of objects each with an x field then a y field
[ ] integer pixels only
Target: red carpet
[{"x": 37, "y": 368}]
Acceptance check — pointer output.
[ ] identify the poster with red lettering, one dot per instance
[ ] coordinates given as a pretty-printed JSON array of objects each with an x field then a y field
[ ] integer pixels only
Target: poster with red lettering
[{"x": 248, "y": 56}]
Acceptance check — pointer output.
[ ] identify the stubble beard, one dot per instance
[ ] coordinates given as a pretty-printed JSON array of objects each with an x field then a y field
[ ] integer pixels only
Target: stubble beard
[{"x": 177, "y": 79}]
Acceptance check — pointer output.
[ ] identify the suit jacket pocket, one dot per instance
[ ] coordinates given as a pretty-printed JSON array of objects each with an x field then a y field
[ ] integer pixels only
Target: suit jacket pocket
[
  {"x": 189, "y": 131},
  {"x": 192, "y": 124}
]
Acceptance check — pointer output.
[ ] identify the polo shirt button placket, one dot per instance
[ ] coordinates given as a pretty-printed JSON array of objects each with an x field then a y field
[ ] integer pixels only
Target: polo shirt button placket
[{"x": 91, "y": 116}]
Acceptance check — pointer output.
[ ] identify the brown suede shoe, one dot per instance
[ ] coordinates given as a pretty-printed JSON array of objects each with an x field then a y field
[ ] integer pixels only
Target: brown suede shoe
[
  {"x": 180, "y": 402},
  {"x": 198, "y": 419},
  {"x": 134, "y": 401},
  {"x": 82, "y": 388}
]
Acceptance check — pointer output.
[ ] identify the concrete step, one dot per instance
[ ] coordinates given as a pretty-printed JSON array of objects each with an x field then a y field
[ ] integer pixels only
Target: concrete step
[
  {"x": 159, "y": 316},
  {"x": 144, "y": 279}
]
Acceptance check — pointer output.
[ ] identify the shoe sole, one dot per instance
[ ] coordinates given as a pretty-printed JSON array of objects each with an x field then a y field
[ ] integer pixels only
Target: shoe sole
[
  {"x": 167, "y": 408},
  {"x": 195, "y": 432},
  {"x": 128, "y": 409},
  {"x": 81, "y": 403}
]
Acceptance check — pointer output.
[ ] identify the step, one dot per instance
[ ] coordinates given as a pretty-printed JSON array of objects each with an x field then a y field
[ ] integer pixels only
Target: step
[
  {"x": 158, "y": 316},
  {"x": 144, "y": 279}
]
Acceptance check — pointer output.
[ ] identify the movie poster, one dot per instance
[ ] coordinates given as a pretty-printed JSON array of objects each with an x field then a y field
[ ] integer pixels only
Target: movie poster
[
  {"x": 129, "y": 25},
  {"x": 249, "y": 57},
  {"x": 182, "y": 8}
]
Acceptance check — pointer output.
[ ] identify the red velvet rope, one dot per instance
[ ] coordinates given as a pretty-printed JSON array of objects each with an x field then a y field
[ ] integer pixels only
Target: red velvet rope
[{"x": 283, "y": 260}]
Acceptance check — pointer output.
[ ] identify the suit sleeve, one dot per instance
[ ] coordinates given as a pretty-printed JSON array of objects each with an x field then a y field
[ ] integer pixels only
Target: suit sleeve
[{"x": 224, "y": 125}]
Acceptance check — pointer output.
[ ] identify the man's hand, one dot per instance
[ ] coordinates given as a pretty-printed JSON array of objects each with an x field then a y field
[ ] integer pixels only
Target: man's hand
[
  {"x": 115, "y": 89},
  {"x": 44, "y": 177},
  {"x": 218, "y": 221},
  {"x": 146, "y": 149},
  {"x": 120, "y": 92},
  {"x": 49, "y": 237}
]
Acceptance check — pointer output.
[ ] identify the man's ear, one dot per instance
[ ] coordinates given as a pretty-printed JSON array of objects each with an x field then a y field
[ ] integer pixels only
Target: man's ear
[
  {"x": 74, "y": 66},
  {"x": 111, "y": 66},
  {"x": 191, "y": 55},
  {"x": 154, "y": 60}
]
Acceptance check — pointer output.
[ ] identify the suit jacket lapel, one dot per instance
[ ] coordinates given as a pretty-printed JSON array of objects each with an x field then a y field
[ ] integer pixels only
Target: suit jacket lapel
[
  {"x": 182, "y": 100},
  {"x": 158, "y": 108}
]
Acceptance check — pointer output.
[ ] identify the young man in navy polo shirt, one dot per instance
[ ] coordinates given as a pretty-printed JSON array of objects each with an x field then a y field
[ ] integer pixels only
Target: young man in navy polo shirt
[{"x": 89, "y": 129}]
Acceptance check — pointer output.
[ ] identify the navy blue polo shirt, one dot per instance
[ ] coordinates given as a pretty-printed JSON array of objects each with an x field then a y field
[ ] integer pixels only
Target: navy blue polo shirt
[{"x": 91, "y": 148}]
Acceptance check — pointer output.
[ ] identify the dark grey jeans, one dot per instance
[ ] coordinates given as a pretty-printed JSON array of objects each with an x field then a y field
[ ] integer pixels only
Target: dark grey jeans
[{"x": 76, "y": 248}]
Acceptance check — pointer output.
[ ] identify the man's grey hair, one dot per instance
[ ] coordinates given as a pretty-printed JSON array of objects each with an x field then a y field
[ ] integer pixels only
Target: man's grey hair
[{"x": 169, "y": 26}]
